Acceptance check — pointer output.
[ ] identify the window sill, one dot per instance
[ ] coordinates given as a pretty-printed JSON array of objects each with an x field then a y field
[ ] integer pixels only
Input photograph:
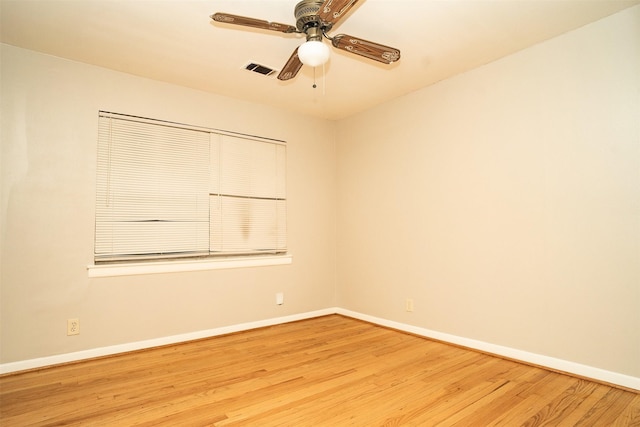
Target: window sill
[{"x": 130, "y": 269}]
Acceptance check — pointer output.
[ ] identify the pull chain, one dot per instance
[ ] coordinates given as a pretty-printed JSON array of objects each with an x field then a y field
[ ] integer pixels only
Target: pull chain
[{"x": 314, "y": 77}]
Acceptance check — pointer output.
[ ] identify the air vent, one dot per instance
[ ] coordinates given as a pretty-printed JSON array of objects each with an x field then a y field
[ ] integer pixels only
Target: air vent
[{"x": 260, "y": 69}]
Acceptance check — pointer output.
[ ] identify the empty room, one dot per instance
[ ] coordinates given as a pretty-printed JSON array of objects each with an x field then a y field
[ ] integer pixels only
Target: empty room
[{"x": 320, "y": 212}]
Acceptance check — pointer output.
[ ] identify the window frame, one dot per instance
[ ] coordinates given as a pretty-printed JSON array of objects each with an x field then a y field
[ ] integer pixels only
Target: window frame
[{"x": 153, "y": 263}]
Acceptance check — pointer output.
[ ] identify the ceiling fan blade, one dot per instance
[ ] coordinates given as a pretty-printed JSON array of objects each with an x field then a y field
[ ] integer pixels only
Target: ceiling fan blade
[
  {"x": 291, "y": 68},
  {"x": 366, "y": 48},
  {"x": 251, "y": 22},
  {"x": 332, "y": 11}
]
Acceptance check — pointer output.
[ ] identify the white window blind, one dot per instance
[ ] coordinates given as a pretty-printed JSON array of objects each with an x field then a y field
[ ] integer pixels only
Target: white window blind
[
  {"x": 248, "y": 200},
  {"x": 167, "y": 190}
]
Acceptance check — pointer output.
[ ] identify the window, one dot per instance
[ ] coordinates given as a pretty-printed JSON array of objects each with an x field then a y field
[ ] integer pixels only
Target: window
[{"x": 166, "y": 190}]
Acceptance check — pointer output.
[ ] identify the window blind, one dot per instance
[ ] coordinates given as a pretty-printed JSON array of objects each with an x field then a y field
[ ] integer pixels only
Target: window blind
[
  {"x": 167, "y": 190},
  {"x": 248, "y": 199}
]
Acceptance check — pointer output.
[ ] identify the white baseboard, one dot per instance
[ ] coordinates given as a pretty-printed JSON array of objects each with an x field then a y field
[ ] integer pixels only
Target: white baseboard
[
  {"x": 23, "y": 365},
  {"x": 511, "y": 353}
]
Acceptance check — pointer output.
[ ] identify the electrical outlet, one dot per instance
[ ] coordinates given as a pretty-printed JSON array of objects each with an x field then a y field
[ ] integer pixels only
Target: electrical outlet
[
  {"x": 408, "y": 305},
  {"x": 73, "y": 326}
]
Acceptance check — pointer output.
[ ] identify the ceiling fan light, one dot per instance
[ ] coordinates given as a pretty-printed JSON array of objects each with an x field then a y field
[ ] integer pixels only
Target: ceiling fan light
[{"x": 313, "y": 53}]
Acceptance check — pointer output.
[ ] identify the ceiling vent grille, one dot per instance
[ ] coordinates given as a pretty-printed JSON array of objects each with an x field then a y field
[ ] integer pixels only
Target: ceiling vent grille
[{"x": 260, "y": 69}]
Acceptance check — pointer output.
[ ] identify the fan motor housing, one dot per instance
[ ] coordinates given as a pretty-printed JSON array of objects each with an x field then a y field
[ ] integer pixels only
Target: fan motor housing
[{"x": 306, "y": 13}]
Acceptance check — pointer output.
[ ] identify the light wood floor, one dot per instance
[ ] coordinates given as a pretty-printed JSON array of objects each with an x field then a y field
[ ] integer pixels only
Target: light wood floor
[{"x": 328, "y": 371}]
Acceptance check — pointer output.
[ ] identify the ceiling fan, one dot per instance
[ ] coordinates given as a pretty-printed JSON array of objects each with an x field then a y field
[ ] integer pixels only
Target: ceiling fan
[{"x": 315, "y": 18}]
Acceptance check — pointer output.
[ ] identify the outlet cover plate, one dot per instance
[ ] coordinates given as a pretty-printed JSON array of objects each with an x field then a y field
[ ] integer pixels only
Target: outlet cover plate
[
  {"x": 73, "y": 326},
  {"x": 409, "y": 305}
]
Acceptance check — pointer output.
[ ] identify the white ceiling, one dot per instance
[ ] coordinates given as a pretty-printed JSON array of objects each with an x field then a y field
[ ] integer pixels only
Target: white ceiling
[{"x": 176, "y": 42}]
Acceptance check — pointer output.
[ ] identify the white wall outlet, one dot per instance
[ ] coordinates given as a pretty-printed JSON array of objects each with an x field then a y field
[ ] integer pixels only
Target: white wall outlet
[
  {"x": 73, "y": 326},
  {"x": 280, "y": 298},
  {"x": 408, "y": 305}
]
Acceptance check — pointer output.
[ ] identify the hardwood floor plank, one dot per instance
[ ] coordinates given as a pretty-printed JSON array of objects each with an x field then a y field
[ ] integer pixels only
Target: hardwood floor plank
[
  {"x": 630, "y": 416},
  {"x": 533, "y": 403},
  {"x": 327, "y": 371},
  {"x": 464, "y": 387},
  {"x": 606, "y": 409},
  {"x": 566, "y": 402}
]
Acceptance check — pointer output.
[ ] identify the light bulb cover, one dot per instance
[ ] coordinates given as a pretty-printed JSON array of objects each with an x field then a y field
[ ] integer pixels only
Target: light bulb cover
[{"x": 313, "y": 53}]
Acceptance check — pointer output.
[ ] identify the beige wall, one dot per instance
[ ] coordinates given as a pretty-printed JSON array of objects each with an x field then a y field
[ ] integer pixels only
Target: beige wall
[
  {"x": 506, "y": 201},
  {"x": 49, "y": 131}
]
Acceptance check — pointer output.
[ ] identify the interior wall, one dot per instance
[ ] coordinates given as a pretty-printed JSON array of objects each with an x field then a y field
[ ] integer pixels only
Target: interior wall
[
  {"x": 506, "y": 201},
  {"x": 49, "y": 135}
]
